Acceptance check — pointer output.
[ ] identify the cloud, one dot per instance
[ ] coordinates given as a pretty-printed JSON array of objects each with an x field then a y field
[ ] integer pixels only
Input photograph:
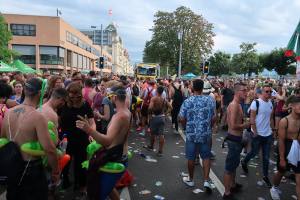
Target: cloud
[{"x": 269, "y": 23}]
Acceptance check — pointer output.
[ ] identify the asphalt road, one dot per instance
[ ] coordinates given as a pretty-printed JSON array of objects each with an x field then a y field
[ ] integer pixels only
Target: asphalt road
[{"x": 164, "y": 176}]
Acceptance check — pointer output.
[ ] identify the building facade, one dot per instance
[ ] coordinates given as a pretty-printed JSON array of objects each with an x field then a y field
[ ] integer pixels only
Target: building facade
[
  {"x": 50, "y": 43},
  {"x": 112, "y": 43}
]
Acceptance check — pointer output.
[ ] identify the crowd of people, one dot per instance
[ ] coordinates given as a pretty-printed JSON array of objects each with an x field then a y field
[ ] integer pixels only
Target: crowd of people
[{"x": 256, "y": 113}]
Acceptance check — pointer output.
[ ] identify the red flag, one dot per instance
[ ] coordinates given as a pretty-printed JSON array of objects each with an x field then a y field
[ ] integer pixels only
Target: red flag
[
  {"x": 110, "y": 12},
  {"x": 288, "y": 53}
]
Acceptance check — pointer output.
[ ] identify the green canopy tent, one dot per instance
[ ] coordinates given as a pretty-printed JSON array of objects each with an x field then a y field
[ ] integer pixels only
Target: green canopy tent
[
  {"x": 6, "y": 68},
  {"x": 18, "y": 64},
  {"x": 294, "y": 48},
  {"x": 189, "y": 76}
]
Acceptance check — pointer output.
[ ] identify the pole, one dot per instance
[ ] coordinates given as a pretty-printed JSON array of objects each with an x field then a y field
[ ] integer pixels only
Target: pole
[
  {"x": 180, "y": 52},
  {"x": 94, "y": 36},
  {"x": 57, "y": 12},
  {"x": 101, "y": 47}
]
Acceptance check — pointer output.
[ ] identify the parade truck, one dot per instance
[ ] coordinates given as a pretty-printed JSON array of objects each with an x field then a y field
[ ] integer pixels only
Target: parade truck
[{"x": 146, "y": 70}]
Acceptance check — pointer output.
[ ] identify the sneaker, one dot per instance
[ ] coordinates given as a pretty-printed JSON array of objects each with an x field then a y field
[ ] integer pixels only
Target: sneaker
[
  {"x": 244, "y": 167},
  {"x": 188, "y": 181},
  {"x": 228, "y": 196},
  {"x": 274, "y": 193},
  {"x": 208, "y": 187},
  {"x": 267, "y": 181},
  {"x": 236, "y": 188}
]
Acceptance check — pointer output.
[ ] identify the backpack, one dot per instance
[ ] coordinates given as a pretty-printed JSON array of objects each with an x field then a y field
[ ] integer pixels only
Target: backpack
[
  {"x": 146, "y": 102},
  {"x": 135, "y": 90},
  {"x": 11, "y": 165},
  {"x": 248, "y": 113},
  {"x": 177, "y": 98}
]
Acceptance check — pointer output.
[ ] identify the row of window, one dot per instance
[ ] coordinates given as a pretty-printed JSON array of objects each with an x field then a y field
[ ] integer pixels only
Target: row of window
[
  {"x": 78, "y": 42},
  {"x": 23, "y": 29},
  {"x": 52, "y": 55}
]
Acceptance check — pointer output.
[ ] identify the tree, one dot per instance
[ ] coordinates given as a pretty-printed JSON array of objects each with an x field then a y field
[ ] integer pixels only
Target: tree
[
  {"x": 197, "y": 39},
  {"x": 5, "y": 54},
  {"x": 247, "y": 61},
  {"x": 219, "y": 63},
  {"x": 277, "y": 61}
]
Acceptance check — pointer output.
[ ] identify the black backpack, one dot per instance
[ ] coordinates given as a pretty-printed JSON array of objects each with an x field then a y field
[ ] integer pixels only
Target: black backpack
[{"x": 12, "y": 164}]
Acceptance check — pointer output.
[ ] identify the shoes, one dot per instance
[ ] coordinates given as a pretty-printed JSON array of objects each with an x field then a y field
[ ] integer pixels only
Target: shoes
[
  {"x": 244, "y": 166},
  {"x": 275, "y": 193},
  {"x": 148, "y": 147},
  {"x": 159, "y": 154},
  {"x": 267, "y": 181},
  {"x": 236, "y": 188},
  {"x": 229, "y": 196},
  {"x": 207, "y": 186},
  {"x": 188, "y": 181}
]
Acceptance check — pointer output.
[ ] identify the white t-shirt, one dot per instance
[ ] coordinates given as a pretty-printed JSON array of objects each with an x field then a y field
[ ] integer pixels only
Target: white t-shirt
[{"x": 263, "y": 117}]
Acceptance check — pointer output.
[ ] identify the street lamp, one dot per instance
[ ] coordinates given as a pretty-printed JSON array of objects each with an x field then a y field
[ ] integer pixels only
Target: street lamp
[{"x": 180, "y": 35}]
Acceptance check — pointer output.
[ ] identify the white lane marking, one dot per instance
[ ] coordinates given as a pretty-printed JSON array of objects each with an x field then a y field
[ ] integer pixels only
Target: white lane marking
[{"x": 219, "y": 185}]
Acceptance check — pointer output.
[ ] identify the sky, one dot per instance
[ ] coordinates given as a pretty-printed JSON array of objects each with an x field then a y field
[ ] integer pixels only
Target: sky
[{"x": 269, "y": 23}]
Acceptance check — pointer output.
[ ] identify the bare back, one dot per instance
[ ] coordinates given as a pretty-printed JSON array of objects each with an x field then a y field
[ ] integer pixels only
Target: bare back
[
  {"x": 292, "y": 127},
  {"x": 118, "y": 128},
  {"x": 157, "y": 105},
  {"x": 21, "y": 122}
]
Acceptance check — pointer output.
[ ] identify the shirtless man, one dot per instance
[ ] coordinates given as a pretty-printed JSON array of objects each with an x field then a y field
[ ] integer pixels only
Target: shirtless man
[
  {"x": 289, "y": 130},
  {"x": 157, "y": 122},
  {"x": 234, "y": 139},
  {"x": 115, "y": 138},
  {"x": 49, "y": 109},
  {"x": 24, "y": 123}
]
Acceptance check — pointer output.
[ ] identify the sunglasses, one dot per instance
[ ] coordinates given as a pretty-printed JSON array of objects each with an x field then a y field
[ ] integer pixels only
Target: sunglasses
[{"x": 268, "y": 91}]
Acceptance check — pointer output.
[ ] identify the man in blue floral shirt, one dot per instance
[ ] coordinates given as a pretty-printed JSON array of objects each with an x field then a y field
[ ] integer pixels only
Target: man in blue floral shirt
[{"x": 197, "y": 114}]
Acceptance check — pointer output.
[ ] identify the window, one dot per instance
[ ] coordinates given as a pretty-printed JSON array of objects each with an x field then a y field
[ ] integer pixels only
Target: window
[
  {"x": 23, "y": 29},
  {"x": 69, "y": 57},
  {"x": 79, "y": 61},
  {"x": 74, "y": 60},
  {"x": 52, "y": 55},
  {"x": 27, "y": 53},
  {"x": 76, "y": 41}
]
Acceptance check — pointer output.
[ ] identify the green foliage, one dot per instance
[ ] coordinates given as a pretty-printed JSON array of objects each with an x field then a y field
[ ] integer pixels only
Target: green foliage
[
  {"x": 5, "y": 54},
  {"x": 277, "y": 61},
  {"x": 197, "y": 39},
  {"x": 219, "y": 63}
]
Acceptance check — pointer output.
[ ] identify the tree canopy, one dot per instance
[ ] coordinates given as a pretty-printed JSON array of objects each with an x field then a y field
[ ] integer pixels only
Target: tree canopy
[
  {"x": 197, "y": 39},
  {"x": 6, "y": 54}
]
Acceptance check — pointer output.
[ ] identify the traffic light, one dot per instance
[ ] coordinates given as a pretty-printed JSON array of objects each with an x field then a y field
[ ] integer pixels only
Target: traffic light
[
  {"x": 101, "y": 62},
  {"x": 206, "y": 67}
]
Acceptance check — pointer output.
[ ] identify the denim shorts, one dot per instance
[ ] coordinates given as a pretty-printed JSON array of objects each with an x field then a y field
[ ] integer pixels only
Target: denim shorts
[
  {"x": 233, "y": 157},
  {"x": 192, "y": 150}
]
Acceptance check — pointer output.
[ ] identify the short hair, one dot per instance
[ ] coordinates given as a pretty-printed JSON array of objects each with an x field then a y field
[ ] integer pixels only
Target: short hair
[
  {"x": 59, "y": 93},
  {"x": 5, "y": 90},
  {"x": 160, "y": 90},
  {"x": 198, "y": 85},
  {"x": 120, "y": 93},
  {"x": 88, "y": 82},
  {"x": 32, "y": 87},
  {"x": 75, "y": 88},
  {"x": 294, "y": 99},
  {"x": 92, "y": 73},
  {"x": 75, "y": 74},
  {"x": 297, "y": 91},
  {"x": 237, "y": 86}
]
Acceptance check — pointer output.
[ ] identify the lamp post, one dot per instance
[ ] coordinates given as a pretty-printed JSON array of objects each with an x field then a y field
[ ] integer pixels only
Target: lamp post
[{"x": 180, "y": 35}]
